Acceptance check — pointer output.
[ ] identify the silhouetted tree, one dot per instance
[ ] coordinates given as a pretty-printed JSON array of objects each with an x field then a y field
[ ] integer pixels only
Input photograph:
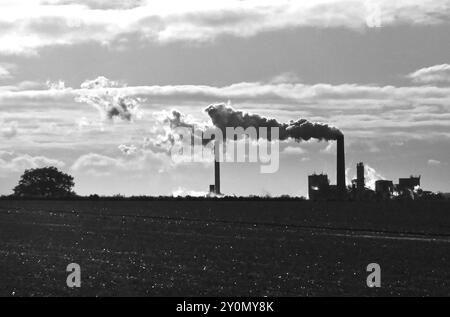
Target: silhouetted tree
[{"x": 44, "y": 182}]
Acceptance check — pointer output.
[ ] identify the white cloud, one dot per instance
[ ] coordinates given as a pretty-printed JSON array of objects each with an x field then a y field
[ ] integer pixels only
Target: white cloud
[
  {"x": 8, "y": 130},
  {"x": 5, "y": 71},
  {"x": 11, "y": 162},
  {"x": 432, "y": 75},
  {"x": 58, "y": 85},
  {"x": 293, "y": 150},
  {"x": 337, "y": 96},
  {"x": 432, "y": 162},
  {"x": 100, "y": 4},
  {"x": 283, "y": 78},
  {"x": 330, "y": 148},
  {"x": 97, "y": 164},
  {"x": 30, "y": 25},
  {"x": 127, "y": 149},
  {"x": 364, "y": 111},
  {"x": 102, "y": 165}
]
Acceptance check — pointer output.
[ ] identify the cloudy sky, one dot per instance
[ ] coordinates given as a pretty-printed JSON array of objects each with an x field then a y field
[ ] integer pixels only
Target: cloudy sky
[{"x": 378, "y": 70}]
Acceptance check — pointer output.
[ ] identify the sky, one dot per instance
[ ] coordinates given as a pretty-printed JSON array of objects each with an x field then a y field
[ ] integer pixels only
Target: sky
[{"x": 377, "y": 70}]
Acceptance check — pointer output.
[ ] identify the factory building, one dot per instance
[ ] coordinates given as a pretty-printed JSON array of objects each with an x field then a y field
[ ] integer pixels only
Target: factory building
[
  {"x": 318, "y": 187},
  {"x": 360, "y": 179},
  {"x": 384, "y": 189},
  {"x": 359, "y": 184},
  {"x": 408, "y": 183}
]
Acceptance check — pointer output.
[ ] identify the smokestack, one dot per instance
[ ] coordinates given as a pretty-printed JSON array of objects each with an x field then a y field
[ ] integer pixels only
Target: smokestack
[
  {"x": 216, "y": 168},
  {"x": 340, "y": 173}
]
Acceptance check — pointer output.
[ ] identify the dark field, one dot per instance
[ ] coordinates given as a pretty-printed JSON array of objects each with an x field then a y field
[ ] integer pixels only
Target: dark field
[{"x": 224, "y": 248}]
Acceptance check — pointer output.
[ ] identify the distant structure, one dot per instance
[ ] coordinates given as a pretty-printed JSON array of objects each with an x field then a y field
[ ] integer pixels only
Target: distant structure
[
  {"x": 408, "y": 183},
  {"x": 359, "y": 191},
  {"x": 340, "y": 171},
  {"x": 318, "y": 187},
  {"x": 360, "y": 179},
  {"x": 384, "y": 189},
  {"x": 217, "y": 177},
  {"x": 216, "y": 169}
]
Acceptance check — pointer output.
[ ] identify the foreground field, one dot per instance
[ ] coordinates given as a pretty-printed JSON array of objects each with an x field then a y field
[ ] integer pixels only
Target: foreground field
[{"x": 220, "y": 248}]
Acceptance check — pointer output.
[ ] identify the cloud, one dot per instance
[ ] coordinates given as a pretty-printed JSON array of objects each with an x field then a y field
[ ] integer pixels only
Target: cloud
[
  {"x": 432, "y": 162},
  {"x": 28, "y": 26},
  {"x": 330, "y": 148},
  {"x": 11, "y": 162},
  {"x": 361, "y": 111},
  {"x": 100, "y": 4},
  {"x": 8, "y": 130},
  {"x": 288, "y": 77},
  {"x": 102, "y": 165},
  {"x": 5, "y": 71},
  {"x": 335, "y": 96},
  {"x": 97, "y": 164},
  {"x": 127, "y": 149},
  {"x": 431, "y": 75},
  {"x": 293, "y": 150},
  {"x": 57, "y": 85}
]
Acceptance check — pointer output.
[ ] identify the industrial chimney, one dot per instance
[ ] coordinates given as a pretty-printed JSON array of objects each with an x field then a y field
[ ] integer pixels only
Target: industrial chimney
[
  {"x": 216, "y": 168},
  {"x": 340, "y": 173}
]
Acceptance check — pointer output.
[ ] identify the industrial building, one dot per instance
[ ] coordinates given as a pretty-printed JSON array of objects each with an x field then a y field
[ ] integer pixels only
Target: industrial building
[
  {"x": 408, "y": 183},
  {"x": 360, "y": 181},
  {"x": 319, "y": 187},
  {"x": 384, "y": 189}
]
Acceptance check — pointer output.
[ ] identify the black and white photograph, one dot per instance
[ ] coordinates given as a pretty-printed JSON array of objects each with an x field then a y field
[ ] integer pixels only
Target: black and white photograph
[{"x": 227, "y": 155}]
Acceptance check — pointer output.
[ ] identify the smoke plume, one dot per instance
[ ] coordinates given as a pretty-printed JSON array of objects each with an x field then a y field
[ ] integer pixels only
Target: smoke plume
[{"x": 224, "y": 116}]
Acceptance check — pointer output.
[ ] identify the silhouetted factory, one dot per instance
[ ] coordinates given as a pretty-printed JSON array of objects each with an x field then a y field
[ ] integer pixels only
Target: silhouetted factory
[{"x": 319, "y": 187}]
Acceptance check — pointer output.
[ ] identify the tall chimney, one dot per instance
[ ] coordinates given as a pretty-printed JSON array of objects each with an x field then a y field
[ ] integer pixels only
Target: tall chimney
[
  {"x": 340, "y": 172},
  {"x": 216, "y": 168}
]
